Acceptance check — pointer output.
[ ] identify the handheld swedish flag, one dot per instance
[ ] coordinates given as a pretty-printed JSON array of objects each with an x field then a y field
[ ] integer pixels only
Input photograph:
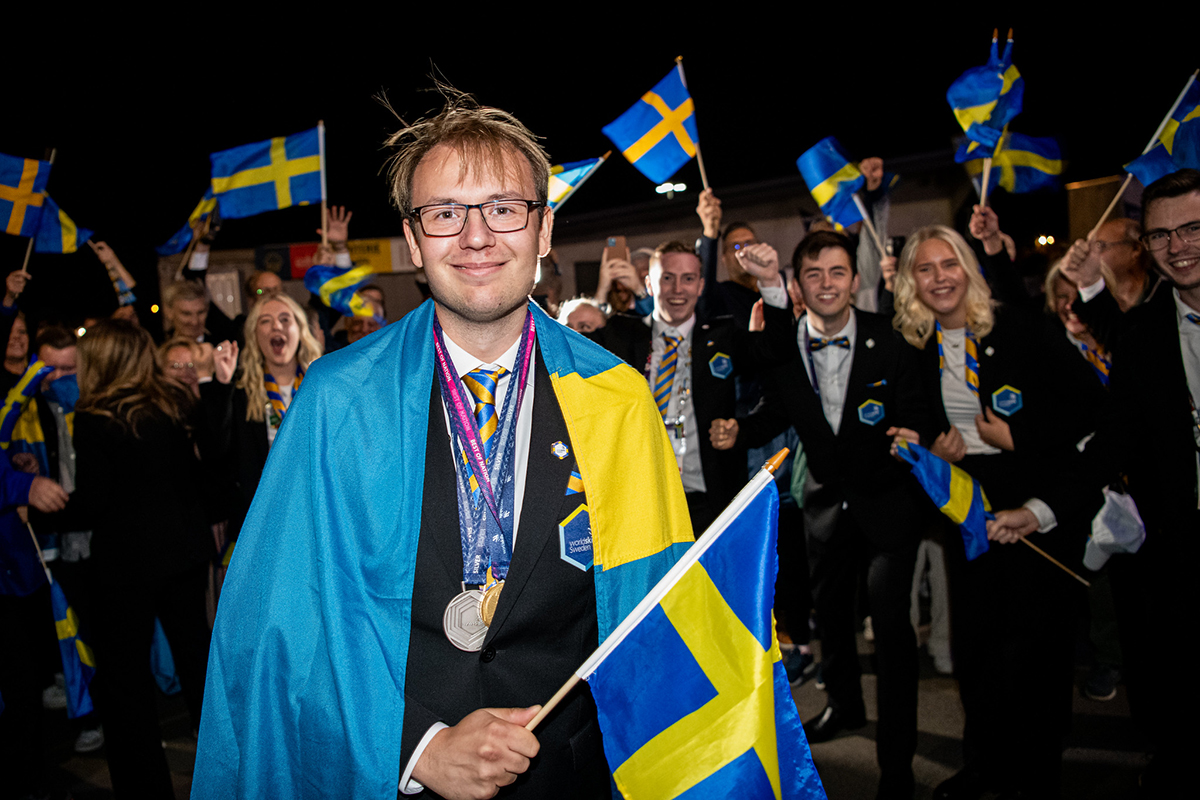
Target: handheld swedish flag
[
  {"x": 22, "y": 187},
  {"x": 265, "y": 176},
  {"x": 18, "y": 397},
  {"x": 56, "y": 232},
  {"x": 691, "y": 692},
  {"x": 1178, "y": 144},
  {"x": 833, "y": 180},
  {"x": 1019, "y": 163},
  {"x": 180, "y": 239},
  {"x": 957, "y": 494},
  {"x": 566, "y": 178},
  {"x": 985, "y": 99},
  {"x": 79, "y": 665},
  {"x": 658, "y": 134},
  {"x": 338, "y": 288}
]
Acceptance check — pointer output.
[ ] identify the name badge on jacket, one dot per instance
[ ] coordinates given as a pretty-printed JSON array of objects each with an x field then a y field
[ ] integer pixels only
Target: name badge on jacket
[
  {"x": 1007, "y": 400},
  {"x": 870, "y": 412},
  {"x": 721, "y": 366}
]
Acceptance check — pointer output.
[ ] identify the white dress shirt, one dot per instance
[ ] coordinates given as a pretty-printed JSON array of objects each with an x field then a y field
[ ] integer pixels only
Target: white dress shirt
[
  {"x": 686, "y": 447},
  {"x": 1189, "y": 347},
  {"x": 832, "y": 365},
  {"x": 962, "y": 405}
]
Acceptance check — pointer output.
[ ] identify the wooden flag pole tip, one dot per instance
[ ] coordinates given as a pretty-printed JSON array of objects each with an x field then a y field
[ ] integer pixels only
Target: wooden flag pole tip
[
  {"x": 777, "y": 459},
  {"x": 558, "y": 696}
]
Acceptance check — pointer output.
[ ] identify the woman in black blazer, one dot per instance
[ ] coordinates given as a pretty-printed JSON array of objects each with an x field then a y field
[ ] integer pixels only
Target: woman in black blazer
[
  {"x": 141, "y": 489},
  {"x": 1010, "y": 608}
]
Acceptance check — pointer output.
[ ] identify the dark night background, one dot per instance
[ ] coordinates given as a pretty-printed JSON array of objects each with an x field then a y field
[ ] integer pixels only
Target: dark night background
[{"x": 134, "y": 123}]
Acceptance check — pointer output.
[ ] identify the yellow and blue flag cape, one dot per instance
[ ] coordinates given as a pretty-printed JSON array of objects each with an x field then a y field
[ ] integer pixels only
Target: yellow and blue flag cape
[
  {"x": 956, "y": 493},
  {"x": 985, "y": 99},
  {"x": 79, "y": 665},
  {"x": 180, "y": 239},
  {"x": 1178, "y": 146},
  {"x": 265, "y": 176},
  {"x": 338, "y": 287},
  {"x": 833, "y": 180},
  {"x": 566, "y": 178},
  {"x": 305, "y": 689},
  {"x": 1019, "y": 163},
  {"x": 693, "y": 698},
  {"x": 56, "y": 232},
  {"x": 22, "y": 188},
  {"x": 658, "y": 134}
]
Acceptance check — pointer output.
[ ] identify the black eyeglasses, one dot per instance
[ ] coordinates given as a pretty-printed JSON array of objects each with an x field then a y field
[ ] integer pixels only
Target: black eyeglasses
[
  {"x": 1158, "y": 240},
  {"x": 500, "y": 216}
]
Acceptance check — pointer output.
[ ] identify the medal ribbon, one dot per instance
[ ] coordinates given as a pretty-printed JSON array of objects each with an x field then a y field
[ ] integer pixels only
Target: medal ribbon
[
  {"x": 971, "y": 353},
  {"x": 486, "y": 537},
  {"x": 273, "y": 392}
]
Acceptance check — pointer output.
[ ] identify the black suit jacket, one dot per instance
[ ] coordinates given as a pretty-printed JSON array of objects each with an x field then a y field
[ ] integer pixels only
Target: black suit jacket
[
  {"x": 239, "y": 449},
  {"x": 854, "y": 467},
  {"x": 714, "y": 391},
  {"x": 545, "y": 624}
]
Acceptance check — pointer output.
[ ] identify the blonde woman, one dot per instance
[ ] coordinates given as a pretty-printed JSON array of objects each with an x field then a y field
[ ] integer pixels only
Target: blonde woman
[
  {"x": 1010, "y": 609},
  {"x": 246, "y": 414},
  {"x": 141, "y": 489}
]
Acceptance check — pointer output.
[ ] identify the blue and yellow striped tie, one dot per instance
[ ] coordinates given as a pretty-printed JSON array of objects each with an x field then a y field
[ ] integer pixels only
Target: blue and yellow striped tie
[
  {"x": 1100, "y": 361},
  {"x": 971, "y": 348},
  {"x": 481, "y": 383},
  {"x": 666, "y": 373}
]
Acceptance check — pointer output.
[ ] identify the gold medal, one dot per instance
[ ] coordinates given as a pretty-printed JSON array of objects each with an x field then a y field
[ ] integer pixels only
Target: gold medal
[{"x": 487, "y": 606}]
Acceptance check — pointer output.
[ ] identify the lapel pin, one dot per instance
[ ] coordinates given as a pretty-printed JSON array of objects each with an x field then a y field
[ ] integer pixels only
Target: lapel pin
[
  {"x": 710, "y": 342},
  {"x": 870, "y": 343},
  {"x": 560, "y": 450},
  {"x": 991, "y": 351}
]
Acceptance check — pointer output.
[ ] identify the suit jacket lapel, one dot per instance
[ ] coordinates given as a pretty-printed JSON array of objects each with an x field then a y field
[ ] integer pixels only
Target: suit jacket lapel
[
  {"x": 440, "y": 504},
  {"x": 855, "y": 379},
  {"x": 546, "y": 478}
]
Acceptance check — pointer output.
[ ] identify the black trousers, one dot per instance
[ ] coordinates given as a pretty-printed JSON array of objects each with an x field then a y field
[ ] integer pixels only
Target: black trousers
[
  {"x": 27, "y": 634},
  {"x": 126, "y": 697},
  {"x": 835, "y": 564}
]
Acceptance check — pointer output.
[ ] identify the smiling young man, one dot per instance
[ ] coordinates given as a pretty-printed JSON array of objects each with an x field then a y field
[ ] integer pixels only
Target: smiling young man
[
  {"x": 690, "y": 362},
  {"x": 460, "y": 537},
  {"x": 1150, "y": 432},
  {"x": 848, "y": 384}
]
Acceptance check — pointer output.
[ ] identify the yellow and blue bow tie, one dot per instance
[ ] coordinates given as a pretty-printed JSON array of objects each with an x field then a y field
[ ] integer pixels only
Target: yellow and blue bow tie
[{"x": 820, "y": 344}]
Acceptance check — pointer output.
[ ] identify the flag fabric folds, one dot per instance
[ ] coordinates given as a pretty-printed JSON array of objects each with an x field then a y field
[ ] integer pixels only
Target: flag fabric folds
[
  {"x": 1019, "y": 163},
  {"x": 692, "y": 697},
  {"x": 338, "y": 288},
  {"x": 56, "y": 232},
  {"x": 1178, "y": 146},
  {"x": 79, "y": 665},
  {"x": 265, "y": 176},
  {"x": 658, "y": 134},
  {"x": 22, "y": 184},
  {"x": 18, "y": 397},
  {"x": 182, "y": 237},
  {"x": 833, "y": 180},
  {"x": 957, "y": 494},
  {"x": 985, "y": 99},
  {"x": 566, "y": 178}
]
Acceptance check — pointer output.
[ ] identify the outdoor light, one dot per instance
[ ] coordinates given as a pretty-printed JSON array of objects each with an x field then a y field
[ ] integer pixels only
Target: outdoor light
[
  {"x": 154, "y": 308},
  {"x": 1041, "y": 240},
  {"x": 80, "y": 331},
  {"x": 663, "y": 188},
  {"x": 1049, "y": 240},
  {"x": 680, "y": 187}
]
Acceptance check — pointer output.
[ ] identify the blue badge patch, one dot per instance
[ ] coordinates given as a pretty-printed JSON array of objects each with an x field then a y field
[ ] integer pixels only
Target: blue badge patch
[
  {"x": 720, "y": 365},
  {"x": 1007, "y": 400},
  {"x": 575, "y": 539},
  {"x": 870, "y": 412}
]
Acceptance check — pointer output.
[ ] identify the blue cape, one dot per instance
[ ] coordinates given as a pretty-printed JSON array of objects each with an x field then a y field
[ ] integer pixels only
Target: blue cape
[{"x": 305, "y": 689}]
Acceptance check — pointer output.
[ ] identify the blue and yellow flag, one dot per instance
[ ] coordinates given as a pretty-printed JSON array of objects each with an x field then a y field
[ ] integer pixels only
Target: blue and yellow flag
[
  {"x": 338, "y": 288},
  {"x": 179, "y": 241},
  {"x": 22, "y": 184},
  {"x": 18, "y": 397},
  {"x": 1019, "y": 163},
  {"x": 79, "y": 665},
  {"x": 1178, "y": 146},
  {"x": 658, "y": 134},
  {"x": 692, "y": 695},
  {"x": 833, "y": 180},
  {"x": 566, "y": 178},
  {"x": 985, "y": 99},
  {"x": 56, "y": 232},
  {"x": 957, "y": 494},
  {"x": 265, "y": 176}
]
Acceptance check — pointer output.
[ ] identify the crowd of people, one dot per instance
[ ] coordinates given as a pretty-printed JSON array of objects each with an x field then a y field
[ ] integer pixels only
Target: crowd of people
[{"x": 136, "y": 465}]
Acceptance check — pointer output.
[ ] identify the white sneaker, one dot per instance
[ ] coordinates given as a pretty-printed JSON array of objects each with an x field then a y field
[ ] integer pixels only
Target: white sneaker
[
  {"x": 54, "y": 698},
  {"x": 90, "y": 741},
  {"x": 868, "y": 630},
  {"x": 943, "y": 664}
]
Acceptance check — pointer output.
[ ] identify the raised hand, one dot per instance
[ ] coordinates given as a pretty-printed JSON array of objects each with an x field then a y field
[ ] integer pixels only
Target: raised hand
[
  {"x": 339, "y": 224},
  {"x": 985, "y": 226},
  {"x": 761, "y": 261},
  {"x": 486, "y": 750},
  {"x": 1081, "y": 266},
  {"x": 225, "y": 358},
  {"x": 872, "y": 170},
  {"x": 709, "y": 211},
  {"x": 887, "y": 270},
  {"x": 14, "y": 284}
]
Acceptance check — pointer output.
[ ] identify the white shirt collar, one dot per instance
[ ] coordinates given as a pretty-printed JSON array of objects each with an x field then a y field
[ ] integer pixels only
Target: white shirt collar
[
  {"x": 464, "y": 362},
  {"x": 849, "y": 330},
  {"x": 1182, "y": 309},
  {"x": 684, "y": 328}
]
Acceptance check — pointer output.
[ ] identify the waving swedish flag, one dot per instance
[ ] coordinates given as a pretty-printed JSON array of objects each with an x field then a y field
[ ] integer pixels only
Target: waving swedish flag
[
  {"x": 179, "y": 241},
  {"x": 692, "y": 695},
  {"x": 265, "y": 176},
  {"x": 566, "y": 178},
  {"x": 985, "y": 99},
  {"x": 658, "y": 134},
  {"x": 833, "y": 180},
  {"x": 1019, "y": 163},
  {"x": 956, "y": 493},
  {"x": 22, "y": 183},
  {"x": 1178, "y": 146}
]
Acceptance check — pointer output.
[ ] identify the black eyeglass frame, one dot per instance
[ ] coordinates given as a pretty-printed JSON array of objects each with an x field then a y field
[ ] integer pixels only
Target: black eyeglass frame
[
  {"x": 1166, "y": 241},
  {"x": 530, "y": 205}
]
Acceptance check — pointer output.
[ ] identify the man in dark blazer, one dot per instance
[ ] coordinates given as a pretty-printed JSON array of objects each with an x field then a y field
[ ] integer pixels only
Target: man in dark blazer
[
  {"x": 1150, "y": 431},
  {"x": 848, "y": 384},
  {"x": 711, "y": 353}
]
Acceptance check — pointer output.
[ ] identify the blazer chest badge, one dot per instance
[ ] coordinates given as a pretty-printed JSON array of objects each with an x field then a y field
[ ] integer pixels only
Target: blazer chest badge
[
  {"x": 1007, "y": 400},
  {"x": 870, "y": 412},
  {"x": 721, "y": 366},
  {"x": 575, "y": 539}
]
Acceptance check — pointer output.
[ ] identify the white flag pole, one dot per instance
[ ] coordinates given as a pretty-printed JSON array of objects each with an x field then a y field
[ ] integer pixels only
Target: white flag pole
[{"x": 324, "y": 204}]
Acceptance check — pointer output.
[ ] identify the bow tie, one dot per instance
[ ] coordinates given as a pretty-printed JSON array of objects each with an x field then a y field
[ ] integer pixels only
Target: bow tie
[
  {"x": 820, "y": 344},
  {"x": 1194, "y": 318}
]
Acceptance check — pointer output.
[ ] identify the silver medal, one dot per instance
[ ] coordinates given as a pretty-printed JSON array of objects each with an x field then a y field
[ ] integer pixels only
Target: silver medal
[{"x": 462, "y": 623}]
